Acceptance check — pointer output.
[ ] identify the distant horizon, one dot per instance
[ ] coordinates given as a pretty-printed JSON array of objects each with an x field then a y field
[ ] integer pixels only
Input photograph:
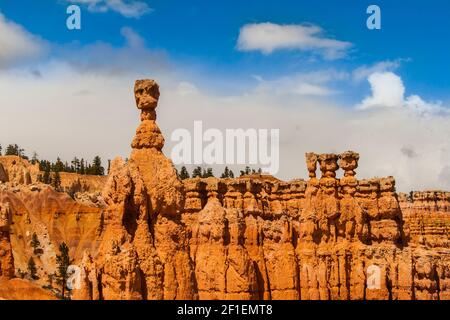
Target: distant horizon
[{"x": 219, "y": 171}]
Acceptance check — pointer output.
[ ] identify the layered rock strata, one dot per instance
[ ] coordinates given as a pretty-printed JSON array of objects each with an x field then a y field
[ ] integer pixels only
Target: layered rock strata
[
  {"x": 257, "y": 237},
  {"x": 144, "y": 252},
  {"x": 254, "y": 237}
]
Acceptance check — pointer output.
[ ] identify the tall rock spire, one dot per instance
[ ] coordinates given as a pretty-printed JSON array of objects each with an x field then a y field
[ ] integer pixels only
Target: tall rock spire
[
  {"x": 144, "y": 253},
  {"x": 161, "y": 181},
  {"x": 148, "y": 134}
]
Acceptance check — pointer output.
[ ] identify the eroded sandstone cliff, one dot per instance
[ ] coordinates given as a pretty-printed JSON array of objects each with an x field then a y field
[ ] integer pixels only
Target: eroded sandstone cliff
[{"x": 152, "y": 236}]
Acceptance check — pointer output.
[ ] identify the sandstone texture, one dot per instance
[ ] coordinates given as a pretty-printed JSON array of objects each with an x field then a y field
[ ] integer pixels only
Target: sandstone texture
[
  {"x": 18, "y": 289},
  {"x": 6, "y": 256},
  {"x": 142, "y": 233}
]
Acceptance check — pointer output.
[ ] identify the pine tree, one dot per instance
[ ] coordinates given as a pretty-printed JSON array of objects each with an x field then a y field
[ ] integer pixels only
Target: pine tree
[
  {"x": 56, "y": 181},
  {"x": 208, "y": 173},
  {"x": 63, "y": 263},
  {"x": 32, "y": 270},
  {"x": 246, "y": 172},
  {"x": 82, "y": 167},
  {"x": 43, "y": 164},
  {"x": 35, "y": 244},
  {"x": 46, "y": 177},
  {"x": 75, "y": 165},
  {"x": 66, "y": 167},
  {"x": 97, "y": 168},
  {"x": 197, "y": 172},
  {"x": 34, "y": 158},
  {"x": 58, "y": 166},
  {"x": 184, "y": 174},
  {"x": 13, "y": 150},
  {"x": 225, "y": 173}
]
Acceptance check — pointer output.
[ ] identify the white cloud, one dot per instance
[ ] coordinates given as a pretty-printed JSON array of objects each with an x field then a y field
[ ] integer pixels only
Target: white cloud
[
  {"x": 133, "y": 56},
  {"x": 388, "y": 91},
  {"x": 17, "y": 44},
  {"x": 268, "y": 37},
  {"x": 306, "y": 89},
  {"x": 361, "y": 73},
  {"x": 86, "y": 107},
  {"x": 127, "y": 8},
  {"x": 312, "y": 84},
  {"x": 88, "y": 113}
]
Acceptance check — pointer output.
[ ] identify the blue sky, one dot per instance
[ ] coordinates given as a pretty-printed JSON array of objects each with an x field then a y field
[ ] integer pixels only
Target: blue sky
[
  {"x": 204, "y": 34},
  {"x": 311, "y": 69}
]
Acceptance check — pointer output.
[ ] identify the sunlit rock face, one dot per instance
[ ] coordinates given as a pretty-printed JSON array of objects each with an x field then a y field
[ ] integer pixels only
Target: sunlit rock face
[
  {"x": 6, "y": 256},
  {"x": 142, "y": 233}
]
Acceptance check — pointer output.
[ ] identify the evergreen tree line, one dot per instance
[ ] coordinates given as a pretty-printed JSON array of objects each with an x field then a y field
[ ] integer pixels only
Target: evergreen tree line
[
  {"x": 77, "y": 165},
  {"x": 200, "y": 172},
  {"x": 13, "y": 150},
  {"x": 51, "y": 169}
]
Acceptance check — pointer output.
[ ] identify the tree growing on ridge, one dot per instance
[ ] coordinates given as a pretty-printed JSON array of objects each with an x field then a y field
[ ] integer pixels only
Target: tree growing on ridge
[
  {"x": 56, "y": 181},
  {"x": 184, "y": 174},
  {"x": 197, "y": 172},
  {"x": 227, "y": 173},
  {"x": 207, "y": 173},
  {"x": 15, "y": 150},
  {"x": 32, "y": 270},
  {"x": 35, "y": 243},
  {"x": 63, "y": 263},
  {"x": 96, "y": 168}
]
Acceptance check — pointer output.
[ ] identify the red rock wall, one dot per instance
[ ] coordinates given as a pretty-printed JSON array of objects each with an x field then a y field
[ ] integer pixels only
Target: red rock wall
[
  {"x": 6, "y": 256},
  {"x": 256, "y": 238},
  {"x": 55, "y": 218},
  {"x": 153, "y": 236}
]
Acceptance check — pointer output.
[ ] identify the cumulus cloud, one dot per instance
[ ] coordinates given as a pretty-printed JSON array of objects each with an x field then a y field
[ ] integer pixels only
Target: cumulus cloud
[
  {"x": 17, "y": 44},
  {"x": 268, "y": 37},
  {"x": 388, "y": 91},
  {"x": 363, "y": 72},
  {"x": 73, "y": 110},
  {"x": 321, "y": 125},
  {"x": 127, "y": 8}
]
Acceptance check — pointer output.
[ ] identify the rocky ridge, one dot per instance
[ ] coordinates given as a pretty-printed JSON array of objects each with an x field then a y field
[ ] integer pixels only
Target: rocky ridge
[{"x": 151, "y": 236}]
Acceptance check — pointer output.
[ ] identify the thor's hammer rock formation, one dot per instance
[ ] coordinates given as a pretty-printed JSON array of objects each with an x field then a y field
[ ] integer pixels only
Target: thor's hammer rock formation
[{"x": 144, "y": 251}]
